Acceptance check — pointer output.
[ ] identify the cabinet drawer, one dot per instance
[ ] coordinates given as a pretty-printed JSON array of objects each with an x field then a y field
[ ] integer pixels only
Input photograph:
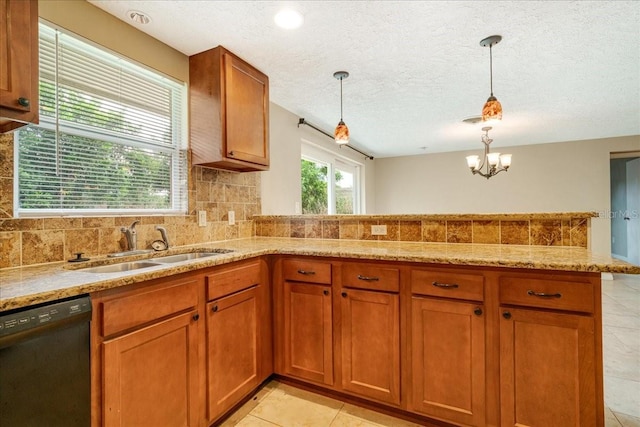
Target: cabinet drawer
[
  {"x": 448, "y": 284},
  {"x": 547, "y": 293},
  {"x": 124, "y": 313},
  {"x": 308, "y": 271},
  {"x": 371, "y": 276},
  {"x": 233, "y": 279}
]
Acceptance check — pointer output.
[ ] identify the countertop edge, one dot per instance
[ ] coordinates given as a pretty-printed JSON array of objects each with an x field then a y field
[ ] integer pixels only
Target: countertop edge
[{"x": 83, "y": 283}]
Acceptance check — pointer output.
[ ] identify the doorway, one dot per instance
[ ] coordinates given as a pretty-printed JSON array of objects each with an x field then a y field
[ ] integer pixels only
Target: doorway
[{"x": 625, "y": 206}]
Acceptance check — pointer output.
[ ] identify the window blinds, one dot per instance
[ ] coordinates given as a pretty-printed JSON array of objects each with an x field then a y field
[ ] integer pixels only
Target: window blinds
[{"x": 111, "y": 137}]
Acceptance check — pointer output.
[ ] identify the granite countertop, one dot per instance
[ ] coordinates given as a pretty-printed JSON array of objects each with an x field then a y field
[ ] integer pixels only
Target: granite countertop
[{"x": 24, "y": 286}]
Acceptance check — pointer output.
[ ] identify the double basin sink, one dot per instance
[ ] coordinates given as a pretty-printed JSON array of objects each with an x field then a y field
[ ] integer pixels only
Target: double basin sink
[{"x": 124, "y": 266}]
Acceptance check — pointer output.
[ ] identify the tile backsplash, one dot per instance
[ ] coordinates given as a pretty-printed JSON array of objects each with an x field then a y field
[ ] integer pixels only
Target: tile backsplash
[
  {"x": 28, "y": 241},
  {"x": 538, "y": 229}
]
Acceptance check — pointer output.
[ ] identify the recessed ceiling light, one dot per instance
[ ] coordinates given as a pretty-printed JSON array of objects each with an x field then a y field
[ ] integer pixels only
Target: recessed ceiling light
[
  {"x": 288, "y": 19},
  {"x": 138, "y": 17}
]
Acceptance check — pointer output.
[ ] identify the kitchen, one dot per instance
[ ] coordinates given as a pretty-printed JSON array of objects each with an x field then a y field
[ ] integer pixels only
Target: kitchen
[{"x": 30, "y": 241}]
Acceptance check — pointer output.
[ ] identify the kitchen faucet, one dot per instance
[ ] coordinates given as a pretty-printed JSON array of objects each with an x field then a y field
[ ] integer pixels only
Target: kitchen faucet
[
  {"x": 131, "y": 236},
  {"x": 163, "y": 233}
]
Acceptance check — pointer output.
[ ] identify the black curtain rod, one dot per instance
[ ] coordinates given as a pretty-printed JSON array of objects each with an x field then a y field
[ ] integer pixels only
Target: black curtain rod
[{"x": 302, "y": 121}]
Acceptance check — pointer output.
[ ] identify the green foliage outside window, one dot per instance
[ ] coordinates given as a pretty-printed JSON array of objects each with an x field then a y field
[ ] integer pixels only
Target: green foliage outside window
[{"x": 315, "y": 190}]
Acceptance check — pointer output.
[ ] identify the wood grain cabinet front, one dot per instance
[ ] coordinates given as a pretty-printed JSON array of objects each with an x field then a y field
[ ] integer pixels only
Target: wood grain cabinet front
[
  {"x": 304, "y": 322},
  {"x": 145, "y": 355},
  {"x": 238, "y": 338},
  {"x": 448, "y": 360},
  {"x": 229, "y": 112},
  {"x": 151, "y": 375},
  {"x": 18, "y": 64},
  {"x": 551, "y": 350},
  {"x": 370, "y": 344},
  {"x": 232, "y": 350}
]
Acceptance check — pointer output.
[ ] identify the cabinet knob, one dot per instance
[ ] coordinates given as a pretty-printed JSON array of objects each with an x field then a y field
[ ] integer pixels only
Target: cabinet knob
[
  {"x": 326, "y": 292},
  {"x": 344, "y": 295},
  {"x": 24, "y": 102},
  {"x": 196, "y": 317},
  {"x": 215, "y": 308},
  {"x": 477, "y": 311},
  {"x": 230, "y": 153},
  {"x": 506, "y": 315}
]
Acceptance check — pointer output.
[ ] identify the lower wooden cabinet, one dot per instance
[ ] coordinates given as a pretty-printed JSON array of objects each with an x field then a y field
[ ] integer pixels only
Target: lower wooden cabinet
[
  {"x": 370, "y": 344},
  {"x": 233, "y": 350},
  {"x": 448, "y": 360},
  {"x": 145, "y": 354},
  {"x": 308, "y": 336},
  {"x": 547, "y": 369},
  {"x": 150, "y": 375}
]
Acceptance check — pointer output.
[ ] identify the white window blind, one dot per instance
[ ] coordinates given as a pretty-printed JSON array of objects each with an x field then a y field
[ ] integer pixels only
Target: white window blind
[{"x": 111, "y": 138}]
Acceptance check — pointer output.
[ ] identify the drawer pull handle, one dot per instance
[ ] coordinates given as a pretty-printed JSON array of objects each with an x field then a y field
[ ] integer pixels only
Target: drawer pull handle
[
  {"x": 543, "y": 295},
  {"x": 368, "y": 279},
  {"x": 477, "y": 311},
  {"x": 325, "y": 292},
  {"x": 506, "y": 315},
  {"x": 306, "y": 273},
  {"x": 445, "y": 285},
  {"x": 24, "y": 102}
]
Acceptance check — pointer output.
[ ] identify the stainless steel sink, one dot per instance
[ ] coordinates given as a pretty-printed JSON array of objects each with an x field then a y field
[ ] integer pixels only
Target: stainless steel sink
[
  {"x": 185, "y": 257},
  {"x": 120, "y": 267}
]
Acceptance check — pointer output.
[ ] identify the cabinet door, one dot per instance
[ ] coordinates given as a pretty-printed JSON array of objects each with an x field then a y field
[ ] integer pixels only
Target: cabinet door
[
  {"x": 233, "y": 350},
  {"x": 18, "y": 63},
  {"x": 247, "y": 112},
  {"x": 448, "y": 360},
  {"x": 308, "y": 337},
  {"x": 150, "y": 375},
  {"x": 370, "y": 338},
  {"x": 547, "y": 369}
]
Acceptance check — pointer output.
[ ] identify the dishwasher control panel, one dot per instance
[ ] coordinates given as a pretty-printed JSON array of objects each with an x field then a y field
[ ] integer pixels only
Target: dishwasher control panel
[{"x": 32, "y": 317}]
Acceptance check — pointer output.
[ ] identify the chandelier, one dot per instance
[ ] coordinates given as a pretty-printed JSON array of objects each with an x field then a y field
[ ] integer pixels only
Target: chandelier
[{"x": 492, "y": 163}]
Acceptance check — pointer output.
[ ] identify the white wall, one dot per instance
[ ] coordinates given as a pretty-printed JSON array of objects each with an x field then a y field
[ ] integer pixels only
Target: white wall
[
  {"x": 560, "y": 177},
  {"x": 280, "y": 188}
]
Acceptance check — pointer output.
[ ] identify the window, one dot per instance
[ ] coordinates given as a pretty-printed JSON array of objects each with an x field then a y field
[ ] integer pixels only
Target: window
[
  {"x": 330, "y": 184},
  {"x": 111, "y": 138}
]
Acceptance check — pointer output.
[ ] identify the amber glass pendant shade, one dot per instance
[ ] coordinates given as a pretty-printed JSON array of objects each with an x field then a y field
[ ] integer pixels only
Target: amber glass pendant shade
[
  {"x": 492, "y": 110},
  {"x": 341, "y": 133}
]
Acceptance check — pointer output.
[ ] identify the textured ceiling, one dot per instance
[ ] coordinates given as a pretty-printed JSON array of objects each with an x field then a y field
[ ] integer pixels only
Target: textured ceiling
[{"x": 565, "y": 70}]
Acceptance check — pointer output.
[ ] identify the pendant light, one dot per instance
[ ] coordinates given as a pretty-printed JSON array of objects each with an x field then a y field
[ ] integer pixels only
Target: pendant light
[
  {"x": 492, "y": 109},
  {"x": 341, "y": 133}
]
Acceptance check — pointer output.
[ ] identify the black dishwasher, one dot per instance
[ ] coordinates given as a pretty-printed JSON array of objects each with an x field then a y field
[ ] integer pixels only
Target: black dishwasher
[{"x": 45, "y": 366}]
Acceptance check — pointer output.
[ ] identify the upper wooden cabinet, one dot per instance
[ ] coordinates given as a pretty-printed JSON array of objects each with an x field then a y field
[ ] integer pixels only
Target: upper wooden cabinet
[
  {"x": 18, "y": 63},
  {"x": 229, "y": 112}
]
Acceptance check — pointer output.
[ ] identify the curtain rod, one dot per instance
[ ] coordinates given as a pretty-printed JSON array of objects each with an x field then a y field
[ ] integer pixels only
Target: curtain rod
[{"x": 302, "y": 121}]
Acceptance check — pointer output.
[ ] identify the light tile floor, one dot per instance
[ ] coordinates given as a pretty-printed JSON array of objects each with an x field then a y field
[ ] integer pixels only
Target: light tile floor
[
  {"x": 279, "y": 405},
  {"x": 621, "y": 348}
]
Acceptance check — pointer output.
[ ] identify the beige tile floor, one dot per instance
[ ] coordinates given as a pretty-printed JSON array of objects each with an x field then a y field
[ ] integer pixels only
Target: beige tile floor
[{"x": 279, "y": 405}]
